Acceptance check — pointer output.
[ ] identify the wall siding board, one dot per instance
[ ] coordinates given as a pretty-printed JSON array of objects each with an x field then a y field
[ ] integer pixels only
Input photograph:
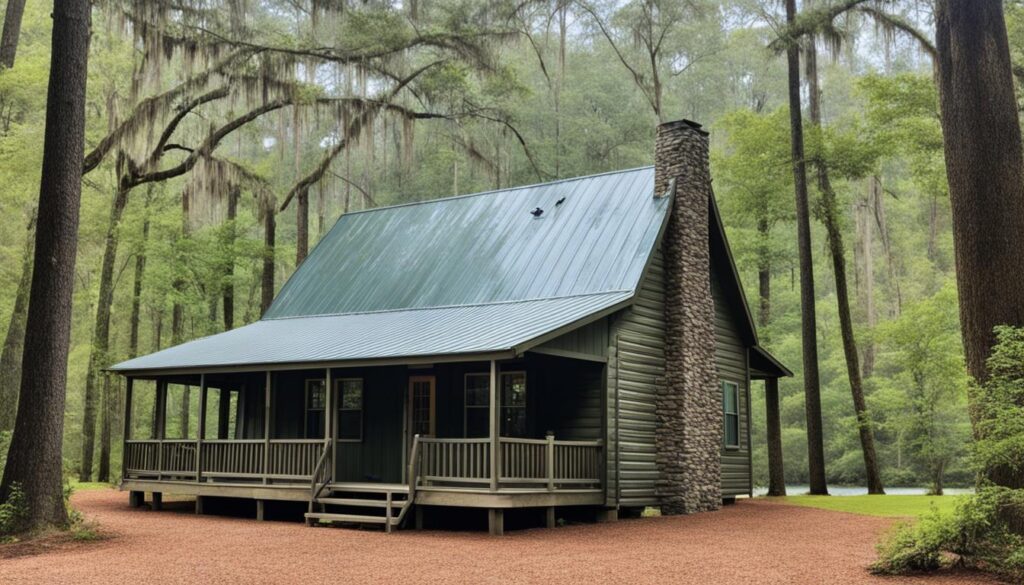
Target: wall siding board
[
  {"x": 637, "y": 338},
  {"x": 731, "y": 359}
]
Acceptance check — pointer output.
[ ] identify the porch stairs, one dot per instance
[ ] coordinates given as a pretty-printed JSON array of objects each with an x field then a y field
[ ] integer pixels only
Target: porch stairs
[{"x": 360, "y": 504}]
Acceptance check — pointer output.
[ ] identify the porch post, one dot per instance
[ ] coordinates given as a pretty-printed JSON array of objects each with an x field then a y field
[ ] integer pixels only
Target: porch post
[
  {"x": 266, "y": 428},
  {"x": 126, "y": 435},
  {"x": 329, "y": 418},
  {"x": 161, "y": 426},
  {"x": 202, "y": 430},
  {"x": 495, "y": 413}
]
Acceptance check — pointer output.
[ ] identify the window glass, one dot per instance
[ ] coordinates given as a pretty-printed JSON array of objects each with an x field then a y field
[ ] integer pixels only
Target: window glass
[
  {"x": 513, "y": 404},
  {"x": 478, "y": 389},
  {"x": 350, "y": 409},
  {"x": 731, "y": 412},
  {"x": 316, "y": 397}
]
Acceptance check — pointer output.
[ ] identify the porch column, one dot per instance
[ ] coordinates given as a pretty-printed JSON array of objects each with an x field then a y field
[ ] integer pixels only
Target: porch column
[
  {"x": 203, "y": 390},
  {"x": 495, "y": 419},
  {"x": 328, "y": 402},
  {"x": 161, "y": 426},
  {"x": 266, "y": 427},
  {"x": 126, "y": 435}
]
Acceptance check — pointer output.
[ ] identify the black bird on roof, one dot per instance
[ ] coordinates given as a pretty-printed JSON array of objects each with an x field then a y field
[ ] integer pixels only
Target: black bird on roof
[
  {"x": 537, "y": 212},
  {"x": 560, "y": 201}
]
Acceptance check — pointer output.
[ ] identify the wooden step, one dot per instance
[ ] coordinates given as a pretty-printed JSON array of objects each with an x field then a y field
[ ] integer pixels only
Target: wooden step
[
  {"x": 352, "y": 518},
  {"x": 376, "y": 488},
  {"x": 361, "y": 503}
]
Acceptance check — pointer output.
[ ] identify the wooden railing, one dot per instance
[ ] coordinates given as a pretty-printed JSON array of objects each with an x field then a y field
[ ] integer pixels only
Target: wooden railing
[
  {"x": 547, "y": 463},
  {"x": 455, "y": 460},
  {"x": 223, "y": 459}
]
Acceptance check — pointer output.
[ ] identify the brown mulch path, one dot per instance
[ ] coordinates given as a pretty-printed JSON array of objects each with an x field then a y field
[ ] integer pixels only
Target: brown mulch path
[{"x": 751, "y": 542}]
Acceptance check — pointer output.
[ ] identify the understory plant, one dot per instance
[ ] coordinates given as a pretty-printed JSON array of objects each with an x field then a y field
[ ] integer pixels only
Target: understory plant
[{"x": 987, "y": 529}]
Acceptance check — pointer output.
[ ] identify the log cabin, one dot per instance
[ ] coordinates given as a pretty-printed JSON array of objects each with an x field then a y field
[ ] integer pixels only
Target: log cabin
[{"x": 581, "y": 344}]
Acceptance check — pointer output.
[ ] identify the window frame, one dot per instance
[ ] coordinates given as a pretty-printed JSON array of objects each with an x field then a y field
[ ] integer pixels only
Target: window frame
[
  {"x": 465, "y": 401},
  {"x": 735, "y": 387},
  {"x": 339, "y": 409},
  {"x": 306, "y": 409},
  {"x": 501, "y": 400}
]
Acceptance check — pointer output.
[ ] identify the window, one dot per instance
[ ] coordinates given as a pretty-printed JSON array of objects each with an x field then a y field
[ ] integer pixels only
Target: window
[
  {"x": 316, "y": 397},
  {"x": 513, "y": 404},
  {"x": 350, "y": 409},
  {"x": 731, "y": 411},
  {"x": 478, "y": 389}
]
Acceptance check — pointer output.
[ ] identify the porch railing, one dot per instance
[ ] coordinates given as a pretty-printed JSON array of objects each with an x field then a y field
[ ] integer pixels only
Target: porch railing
[
  {"x": 222, "y": 459},
  {"x": 541, "y": 463}
]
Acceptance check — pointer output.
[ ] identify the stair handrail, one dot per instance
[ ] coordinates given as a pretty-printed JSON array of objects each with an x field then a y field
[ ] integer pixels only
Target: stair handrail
[
  {"x": 414, "y": 467},
  {"x": 315, "y": 487}
]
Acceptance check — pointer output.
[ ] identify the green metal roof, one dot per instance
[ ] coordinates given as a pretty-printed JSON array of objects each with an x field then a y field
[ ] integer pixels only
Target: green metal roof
[{"x": 470, "y": 274}]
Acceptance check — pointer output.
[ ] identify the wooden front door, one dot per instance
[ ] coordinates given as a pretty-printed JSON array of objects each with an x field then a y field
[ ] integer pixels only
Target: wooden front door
[{"x": 422, "y": 411}]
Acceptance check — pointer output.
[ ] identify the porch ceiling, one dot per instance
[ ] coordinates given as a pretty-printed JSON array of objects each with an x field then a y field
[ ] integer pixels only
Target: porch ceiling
[{"x": 468, "y": 329}]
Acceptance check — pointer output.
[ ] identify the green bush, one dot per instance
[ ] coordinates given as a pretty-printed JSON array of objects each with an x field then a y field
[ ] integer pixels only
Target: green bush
[
  {"x": 13, "y": 513},
  {"x": 976, "y": 536}
]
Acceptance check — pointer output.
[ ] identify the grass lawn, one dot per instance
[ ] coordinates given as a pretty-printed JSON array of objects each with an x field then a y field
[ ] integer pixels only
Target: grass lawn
[
  {"x": 80, "y": 486},
  {"x": 888, "y": 506}
]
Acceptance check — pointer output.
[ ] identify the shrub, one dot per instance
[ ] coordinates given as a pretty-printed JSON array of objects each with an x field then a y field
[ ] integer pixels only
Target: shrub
[
  {"x": 13, "y": 513},
  {"x": 976, "y": 536}
]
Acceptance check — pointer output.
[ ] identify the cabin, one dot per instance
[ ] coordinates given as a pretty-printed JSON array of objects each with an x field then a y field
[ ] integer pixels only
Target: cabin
[{"x": 577, "y": 346}]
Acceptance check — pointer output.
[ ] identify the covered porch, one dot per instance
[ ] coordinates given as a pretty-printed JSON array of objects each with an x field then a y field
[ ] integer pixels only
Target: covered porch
[{"x": 494, "y": 434}]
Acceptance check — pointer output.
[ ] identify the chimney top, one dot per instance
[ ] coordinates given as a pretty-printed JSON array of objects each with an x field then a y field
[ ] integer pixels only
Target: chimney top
[{"x": 683, "y": 122}]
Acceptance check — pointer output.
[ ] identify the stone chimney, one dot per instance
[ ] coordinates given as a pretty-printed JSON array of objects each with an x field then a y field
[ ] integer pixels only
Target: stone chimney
[{"x": 689, "y": 405}]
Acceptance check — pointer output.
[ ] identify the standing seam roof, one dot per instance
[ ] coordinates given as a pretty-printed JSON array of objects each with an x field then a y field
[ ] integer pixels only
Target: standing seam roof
[{"x": 469, "y": 274}]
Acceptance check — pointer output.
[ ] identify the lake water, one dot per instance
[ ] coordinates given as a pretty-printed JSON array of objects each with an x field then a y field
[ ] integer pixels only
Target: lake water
[{"x": 846, "y": 490}]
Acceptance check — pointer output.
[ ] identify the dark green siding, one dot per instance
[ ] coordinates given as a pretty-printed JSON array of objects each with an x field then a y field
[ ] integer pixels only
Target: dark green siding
[
  {"x": 731, "y": 359},
  {"x": 590, "y": 339},
  {"x": 378, "y": 457},
  {"x": 636, "y": 370}
]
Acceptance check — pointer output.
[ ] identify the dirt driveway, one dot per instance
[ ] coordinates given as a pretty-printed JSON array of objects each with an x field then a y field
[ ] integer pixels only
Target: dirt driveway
[{"x": 751, "y": 542}]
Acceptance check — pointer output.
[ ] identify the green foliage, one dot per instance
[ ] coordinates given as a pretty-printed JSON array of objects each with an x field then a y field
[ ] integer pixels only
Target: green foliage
[
  {"x": 1000, "y": 405},
  {"x": 13, "y": 513},
  {"x": 976, "y": 535},
  {"x": 922, "y": 401}
]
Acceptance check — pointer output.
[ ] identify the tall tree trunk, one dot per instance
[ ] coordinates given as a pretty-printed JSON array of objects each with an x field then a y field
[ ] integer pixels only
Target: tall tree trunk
[
  {"x": 140, "y": 272},
  {"x": 812, "y": 387},
  {"x": 764, "y": 273},
  {"x": 269, "y": 237},
  {"x": 12, "y": 30},
  {"x": 34, "y": 462},
  {"x": 776, "y": 471},
  {"x": 178, "y": 311},
  {"x": 10, "y": 358},
  {"x": 867, "y": 243},
  {"x": 830, "y": 211},
  {"x": 229, "y": 266},
  {"x": 98, "y": 355},
  {"x": 985, "y": 167},
  {"x": 301, "y": 227},
  {"x": 106, "y": 424},
  {"x": 883, "y": 235}
]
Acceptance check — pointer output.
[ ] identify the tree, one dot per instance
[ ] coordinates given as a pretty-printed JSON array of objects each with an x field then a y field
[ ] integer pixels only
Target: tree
[
  {"x": 985, "y": 168},
  {"x": 830, "y": 217},
  {"x": 34, "y": 463},
  {"x": 808, "y": 324},
  {"x": 12, "y": 30},
  {"x": 10, "y": 358}
]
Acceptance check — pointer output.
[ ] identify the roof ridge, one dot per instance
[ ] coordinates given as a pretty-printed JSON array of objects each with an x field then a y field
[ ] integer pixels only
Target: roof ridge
[
  {"x": 436, "y": 307},
  {"x": 493, "y": 191}
]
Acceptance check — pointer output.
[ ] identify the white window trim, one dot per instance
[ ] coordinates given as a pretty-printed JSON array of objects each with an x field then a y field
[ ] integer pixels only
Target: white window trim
[{"x": 362, "y": 409}]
